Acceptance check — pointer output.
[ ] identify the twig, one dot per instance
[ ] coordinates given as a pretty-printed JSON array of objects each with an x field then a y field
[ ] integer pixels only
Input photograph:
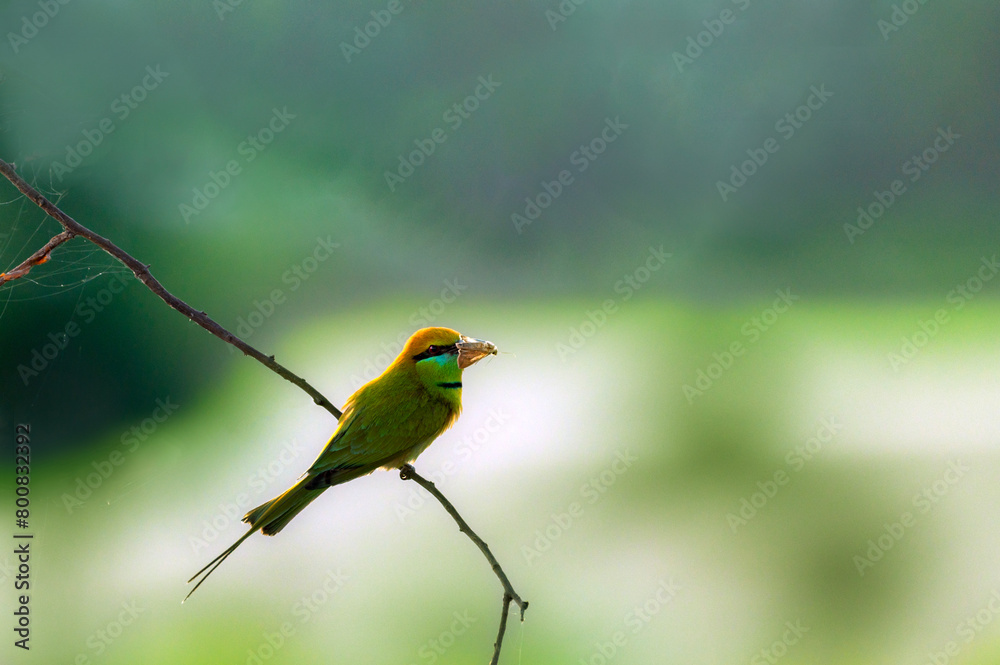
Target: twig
[
  {"x": 72, "y": 228},
  {"x": 41, "y": 256},
  {"x": 407, "y": 472},
  {"x": 503, "y": 627},
  {"x": 141, "y": 271}
]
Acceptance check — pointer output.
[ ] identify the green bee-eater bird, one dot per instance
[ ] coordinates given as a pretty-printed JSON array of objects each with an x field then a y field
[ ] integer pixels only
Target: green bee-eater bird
[{"x": 387, "y": 423}]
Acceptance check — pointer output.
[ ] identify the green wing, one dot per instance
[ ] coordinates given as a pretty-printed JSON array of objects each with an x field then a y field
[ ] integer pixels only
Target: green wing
[{"x": 374, "y": 430}]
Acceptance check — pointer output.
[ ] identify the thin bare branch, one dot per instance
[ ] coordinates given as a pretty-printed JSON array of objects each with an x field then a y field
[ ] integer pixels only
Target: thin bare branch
[
  {"x": 141, "y": 271},
  {"x": 41, "y": 256},
  {"x": 503, "y": 628},
  {"x": 407, "y": 472}
]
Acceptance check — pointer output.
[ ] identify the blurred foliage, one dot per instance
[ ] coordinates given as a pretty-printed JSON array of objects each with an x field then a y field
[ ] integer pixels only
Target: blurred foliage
[{"x": 222, "y": 74}]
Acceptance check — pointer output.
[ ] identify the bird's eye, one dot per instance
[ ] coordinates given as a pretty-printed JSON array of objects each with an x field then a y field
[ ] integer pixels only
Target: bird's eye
[{"x": 433, "y": 348}]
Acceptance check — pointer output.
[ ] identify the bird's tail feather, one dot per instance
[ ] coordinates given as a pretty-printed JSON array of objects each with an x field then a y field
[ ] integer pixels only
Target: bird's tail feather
[
  {"x": 270, "y": 518},
  {"x": 215, "y": 563}
]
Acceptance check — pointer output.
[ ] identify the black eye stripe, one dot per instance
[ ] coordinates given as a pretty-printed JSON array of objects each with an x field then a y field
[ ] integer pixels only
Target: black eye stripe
[{"x": 435, "y": 350}]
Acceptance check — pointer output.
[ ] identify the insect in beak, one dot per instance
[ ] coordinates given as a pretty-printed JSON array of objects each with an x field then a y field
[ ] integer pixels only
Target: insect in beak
[{"x": 471, "y": 351}]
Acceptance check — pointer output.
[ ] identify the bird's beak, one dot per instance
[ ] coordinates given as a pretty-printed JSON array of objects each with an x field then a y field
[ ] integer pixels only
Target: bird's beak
[{"x": 471, "y": 351}]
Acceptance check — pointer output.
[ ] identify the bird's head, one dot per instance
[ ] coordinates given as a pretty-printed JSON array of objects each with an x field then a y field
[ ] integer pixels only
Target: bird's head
[{"x": 438, "y": 355}]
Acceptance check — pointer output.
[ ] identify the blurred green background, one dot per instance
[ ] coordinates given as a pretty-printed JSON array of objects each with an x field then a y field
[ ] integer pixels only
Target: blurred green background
[{"x": 727, "y": 425}]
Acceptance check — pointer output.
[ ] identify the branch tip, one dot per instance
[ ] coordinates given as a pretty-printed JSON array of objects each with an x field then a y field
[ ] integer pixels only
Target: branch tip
[{"x": 407, "y": 472}]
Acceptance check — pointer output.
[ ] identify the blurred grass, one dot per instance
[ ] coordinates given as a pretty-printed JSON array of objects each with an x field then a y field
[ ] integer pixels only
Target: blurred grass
[{"x": 664, "y": 517}]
